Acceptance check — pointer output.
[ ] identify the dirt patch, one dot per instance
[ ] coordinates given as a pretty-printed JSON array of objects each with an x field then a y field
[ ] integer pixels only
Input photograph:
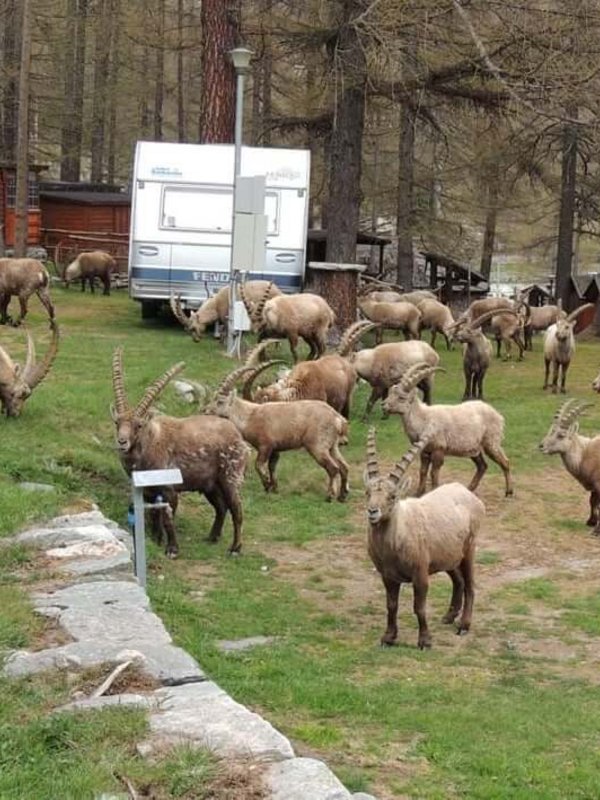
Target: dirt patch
[
  {"x": 51, "y": 635},
  {"x": 131, "y": 680}
]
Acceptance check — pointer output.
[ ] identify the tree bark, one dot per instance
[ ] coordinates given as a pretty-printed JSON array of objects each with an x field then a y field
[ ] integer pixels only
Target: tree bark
[
  {"x": 72, "y": 128},
  {"x": 491, "y": 217},
  {"x": 181, "y": 137},
  {"x": 159, "y": 73},
  {"x": 564, "y": 254},
  {"x": 101, "y": 72},
  {"x": 219, "y": 37},
  {"x": 22, "y": 204},
  {"x": 405, "y": 198},
  {"x": 10, "y": 61},
  {"x": 115, "y": 10},
  {"x": 346, "y": 140}
]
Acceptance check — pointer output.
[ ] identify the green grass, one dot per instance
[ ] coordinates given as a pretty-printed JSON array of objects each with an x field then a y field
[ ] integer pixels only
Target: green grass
[{"x": 471, "y": 718}]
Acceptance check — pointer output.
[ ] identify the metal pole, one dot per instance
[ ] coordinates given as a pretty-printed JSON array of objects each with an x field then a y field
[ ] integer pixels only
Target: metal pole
[
  {"x": 237, "y": 165},
  {"x": 139, "y": 535}
]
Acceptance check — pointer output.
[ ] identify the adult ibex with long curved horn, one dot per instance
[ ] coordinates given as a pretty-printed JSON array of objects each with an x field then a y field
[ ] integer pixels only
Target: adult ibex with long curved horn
[
  {"x": 410, "y": 539},
  {"x": 209, "y": 451},
  {"x": 16, "y": 383},
  {"x": 468, "y": 430},
  {"x": 580, "y": 454}
]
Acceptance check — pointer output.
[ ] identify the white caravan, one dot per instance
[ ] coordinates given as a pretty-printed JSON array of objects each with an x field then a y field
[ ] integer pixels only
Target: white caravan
[{"x": 181, "y": 214}]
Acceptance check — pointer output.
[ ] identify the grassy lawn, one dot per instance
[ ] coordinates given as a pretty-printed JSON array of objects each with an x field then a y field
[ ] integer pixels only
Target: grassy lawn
[{"x": 511, "y": 710}]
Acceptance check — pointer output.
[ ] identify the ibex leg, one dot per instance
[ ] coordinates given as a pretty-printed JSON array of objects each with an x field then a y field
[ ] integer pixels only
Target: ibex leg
[
  {"x": 4, "y": 301},
  {"x": 172, "y": 548},
  {"x": 546, "y": 372},
  {"x": 497, "y": 454},
  {"x": 392, "y": 590},
  {"x": 261, "y": 467},
  {"x": 217, "y": 501},
  {"x": 420, "y": 587},
  {"x": 273, "y": 459},
  {"x": 423, "y": 470},
  {"x": 376, "y": 393},
  {"x": 563, "y": 377},
  {"x": 44, "y": 298},
  {"x": 23, "y": 308},
  {"x": 555, "y": 368},
  {"x": 480, "y": 468},
  {"x": 234, "y": 503},
  {"x": 466, "y": 568},
  {"x": 331, "y": 468},
  {"x": 343, "y": 470},
  {"x": 594, "y": 500},
  {"x": 437, "y": 462},
  {"x": 456, "y": 601}
]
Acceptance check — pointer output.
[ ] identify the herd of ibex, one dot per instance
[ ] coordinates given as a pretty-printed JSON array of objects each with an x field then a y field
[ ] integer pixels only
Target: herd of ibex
[{"x": 308, "y": 408}]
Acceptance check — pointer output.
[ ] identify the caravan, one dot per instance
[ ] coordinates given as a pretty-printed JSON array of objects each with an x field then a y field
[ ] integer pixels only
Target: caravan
[{"x": 181, "y": 219}]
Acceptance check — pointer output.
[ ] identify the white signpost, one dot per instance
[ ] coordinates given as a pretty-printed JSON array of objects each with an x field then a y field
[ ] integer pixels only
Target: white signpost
[{"x": 145, "y": 479}]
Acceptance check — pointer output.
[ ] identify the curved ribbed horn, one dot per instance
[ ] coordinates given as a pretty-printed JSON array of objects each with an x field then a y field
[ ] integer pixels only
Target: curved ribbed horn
[
  {"x": 38, "y": 372},
  {"x": 7, "y": 367},
  {"x": 372, "y": 469},
  {"x": 253, "y": 355},
  {"x": 30, "y": 359},
  {"x": 568, "y": 413},
  {"x": 121, "y": 403},
  {"x": 489, "y": 314},
  {"x": 352, "y": 334},
  {"x": 415, "y": 374},
  {"x": 245, "y": 301},
  {"x": 258, "y": 309},
  {"x": 256, "y": 371},
  {"x": 401, "y": 466},
  {"x": 175, "y": 303},
  {"x": 155, "y": 389},
  {"x": 230, "y": 380}
]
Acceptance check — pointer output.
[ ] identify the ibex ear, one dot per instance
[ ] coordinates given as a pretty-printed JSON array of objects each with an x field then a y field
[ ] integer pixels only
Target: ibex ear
[
  {"x": 366, "y": 479},
  {"x": 113, "y": 413},
  {"x": 405, "y": 487},
  {"x": 574, "y": 428},
  {"x": 18, "y": 369}
]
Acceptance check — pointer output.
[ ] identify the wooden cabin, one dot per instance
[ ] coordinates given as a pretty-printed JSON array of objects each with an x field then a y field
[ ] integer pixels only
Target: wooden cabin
[
  {"x": 458, "y": 285},
  {"x": 84, "y": 216},
  {"x": 8, "y": 196}
]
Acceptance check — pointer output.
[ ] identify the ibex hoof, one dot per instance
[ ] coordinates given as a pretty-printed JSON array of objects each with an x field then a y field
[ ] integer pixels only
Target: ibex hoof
[
  {"x": 387, "y": 642},
  {"x": 172, "y": 554},
  {"x": 509, "y": 493},
  {"x": 234, "y": 553},
  {"x": 462, "y": 631},
  {"x": 424, "y": 644}
]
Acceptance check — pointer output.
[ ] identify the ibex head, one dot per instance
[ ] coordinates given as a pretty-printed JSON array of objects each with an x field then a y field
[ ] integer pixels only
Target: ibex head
[
  {"x": 129, "y": 421},
  {"x": 193, "y": 324},
  {"x": 575, "y": 322},
  {"x": 564, "y": 427},
  {"x": 16, "y": 382},
  {"x": 402, "y": 394},
  {"x": 384, "y": 492}
]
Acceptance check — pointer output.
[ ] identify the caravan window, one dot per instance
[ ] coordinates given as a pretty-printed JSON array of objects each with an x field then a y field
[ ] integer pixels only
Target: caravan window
[{"x": 208, "y": 209}]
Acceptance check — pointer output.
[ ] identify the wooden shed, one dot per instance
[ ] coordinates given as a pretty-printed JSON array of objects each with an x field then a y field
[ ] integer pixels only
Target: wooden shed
[
  {"x": 457, "y": 284},
  {"x": 8, "y": 194},
  {"x": 84, "y": 216}
]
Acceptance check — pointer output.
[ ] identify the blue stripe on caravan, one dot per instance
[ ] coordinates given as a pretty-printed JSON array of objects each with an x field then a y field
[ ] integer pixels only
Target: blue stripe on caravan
[{"x": 164, "y": 274}]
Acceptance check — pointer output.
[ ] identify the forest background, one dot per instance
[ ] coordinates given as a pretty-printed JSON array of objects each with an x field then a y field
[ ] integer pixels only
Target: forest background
[{"x": 464, "y": 127}]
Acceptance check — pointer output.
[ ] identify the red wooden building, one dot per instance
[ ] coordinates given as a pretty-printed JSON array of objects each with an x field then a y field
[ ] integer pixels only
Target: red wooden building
[{"x": 8, "y": 194}]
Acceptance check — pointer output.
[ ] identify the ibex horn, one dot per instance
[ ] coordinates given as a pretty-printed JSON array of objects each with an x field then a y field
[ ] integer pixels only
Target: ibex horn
[
  {"x": 489, "y": 314},
  {"x": 415, "y": 374},
  {"x": 253, "y": 355},
  {"x": 39, "y": 371},
  {"x": 175, "y": 303},
  {"x": 569, "y": 412},
  {"x": 401, "y": 466},
  {"x": 230, "y": 380},
  {"x": 30, "y": 359},
  {"x": 372, "y": 462},
  {"x": 155, "y": 389},
  {"x": 256, "y": 371},
  {"x": 121, "y": 404},
  {"x": 352, "y": 334},
  {"x": 258, "y": 311},
  {"x": 574, "y": 314}
]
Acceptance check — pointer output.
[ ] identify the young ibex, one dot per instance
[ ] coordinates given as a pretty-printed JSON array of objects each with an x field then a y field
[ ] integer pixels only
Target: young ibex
[
  {"x": 330, "y": 378},
  {"x": 559, "y": 344},
  {"x": 16, "y": 383},
  {"x": 272, "y": 428},
  {"x": 437, "y": 318},
  {"x": 89, "y": 266},
  {"x": 480, "y": 307},
  {"x": 216, "y": 308},
  {"x": 21, "y": 277},
  {"x": 507, "y": 326},
  {"x": 401, "y": 316},
  {"x": 410, "y": 539},
  {"x": 383, "y": 366},
  {"x": 209, "y": 451},
  {"x": 580, "y": 454},
  {"x": 468, "y": 430},
  {"x": 477, "y": 355},
  {"x": 295, "y": 316}
]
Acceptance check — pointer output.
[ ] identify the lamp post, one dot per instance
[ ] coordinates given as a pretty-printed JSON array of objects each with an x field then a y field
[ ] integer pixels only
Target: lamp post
[{"x": 240, "y": 57}]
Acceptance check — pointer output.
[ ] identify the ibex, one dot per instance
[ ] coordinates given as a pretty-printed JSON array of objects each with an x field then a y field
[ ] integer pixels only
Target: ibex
[
  {"x": 477, "y": 355},
  {"x": 468, "y": 430},
  {"x": 209, "y": 451},
  {"x": 22, "y": 277},
  {"x": 16, "y": 383},
  {"x": 580, "y": 454},
  {"x": 559, "y": 344},
  {"x": 89, "y": 266},
  {"x": 411, "y": 539}
]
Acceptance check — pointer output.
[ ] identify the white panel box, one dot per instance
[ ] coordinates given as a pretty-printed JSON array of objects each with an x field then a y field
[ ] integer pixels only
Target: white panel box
[{"x": 241, "y": 320}]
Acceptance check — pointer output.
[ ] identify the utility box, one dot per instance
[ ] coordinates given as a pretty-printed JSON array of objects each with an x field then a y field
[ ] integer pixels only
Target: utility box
[{"x": 250, "y": 227}]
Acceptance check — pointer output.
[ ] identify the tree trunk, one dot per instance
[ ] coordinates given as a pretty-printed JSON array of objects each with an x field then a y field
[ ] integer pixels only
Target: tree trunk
[
  {"x": 10, "y": 69},
  {"x": 346, "y": 141},
  {"x": 566, "y": 220},
  {"x": 181, "y": 137},
  {"x": 267, "y": 79},
  {"x": 22, "y": 204},
  {"x": 144, "y": 104},
  {"x": 72, "y": 127},
  {"x": 101, "y": 65},
  {"x": 405, "y": 204},
  {"x": 219, "y": 37},
  {"x": 112, "y": 90},
  {"x": 159, "y": 73},
  {"x": 489, "y": 234}
]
